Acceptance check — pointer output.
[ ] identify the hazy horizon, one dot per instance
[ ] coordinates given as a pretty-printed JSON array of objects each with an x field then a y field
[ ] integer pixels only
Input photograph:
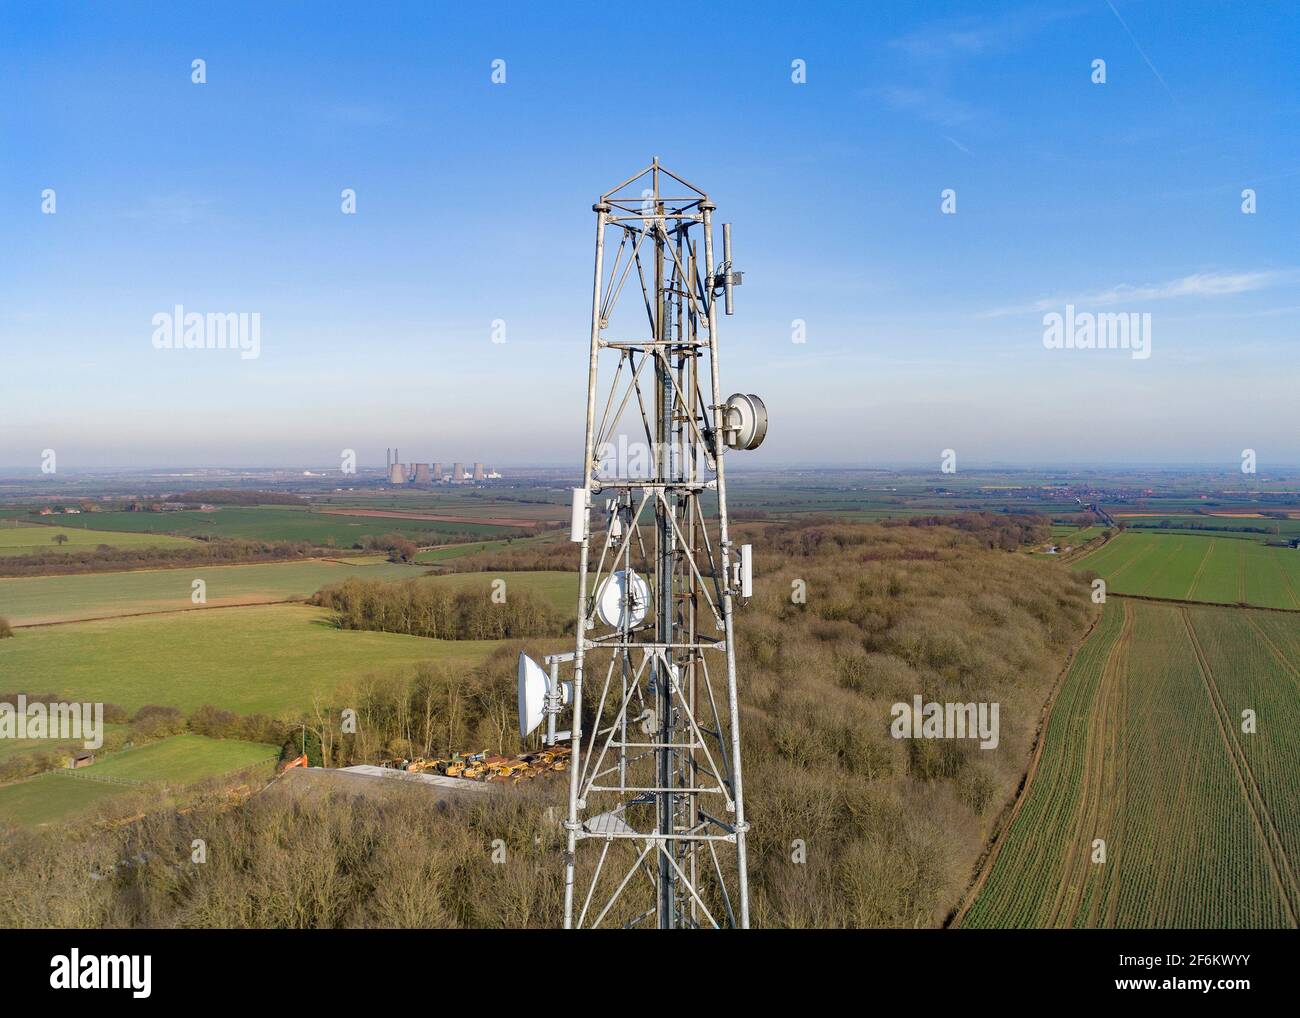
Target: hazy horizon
[
  {"x": 735, "y": 467},
  {"x": 923, "y": 331}
]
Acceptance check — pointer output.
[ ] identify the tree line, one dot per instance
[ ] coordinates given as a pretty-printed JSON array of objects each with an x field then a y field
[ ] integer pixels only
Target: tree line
[
  {"x": 105, "y": 558},
  {"x": 420, "y": 607},
  {"x": 231, "y": 496},
  {"x": 1007, "y": 531}
]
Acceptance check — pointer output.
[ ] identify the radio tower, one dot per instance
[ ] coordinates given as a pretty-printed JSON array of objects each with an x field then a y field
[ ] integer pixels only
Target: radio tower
[{"x": 656, "y": 820}]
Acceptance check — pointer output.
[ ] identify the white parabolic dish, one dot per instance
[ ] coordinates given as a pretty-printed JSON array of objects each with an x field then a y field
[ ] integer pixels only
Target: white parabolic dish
[
  {"x": 747, "y": 417},
  {"x": 623, "y": 599},
  {"x": 532, "y": 694}
]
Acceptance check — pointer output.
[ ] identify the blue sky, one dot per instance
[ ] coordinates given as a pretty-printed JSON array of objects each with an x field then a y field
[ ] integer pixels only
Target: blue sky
[{"x": 924, "y": 330}]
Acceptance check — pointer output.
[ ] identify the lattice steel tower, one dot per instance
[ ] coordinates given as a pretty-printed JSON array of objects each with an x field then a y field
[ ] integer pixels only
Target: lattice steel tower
[{"x": 656, "y": 819}]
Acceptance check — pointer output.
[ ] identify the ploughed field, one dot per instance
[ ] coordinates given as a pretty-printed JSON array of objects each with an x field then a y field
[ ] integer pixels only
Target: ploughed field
[
  {"x": 1186, "y": 567},
  {"x": 1145, "y": 751}
]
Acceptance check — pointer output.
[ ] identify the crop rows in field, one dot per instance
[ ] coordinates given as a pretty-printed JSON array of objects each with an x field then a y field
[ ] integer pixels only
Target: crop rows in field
[
  {"x": 1215, "y": 570},
  {"x": 1144, "y": 750},
  {"x": 1255, "y": 527}
]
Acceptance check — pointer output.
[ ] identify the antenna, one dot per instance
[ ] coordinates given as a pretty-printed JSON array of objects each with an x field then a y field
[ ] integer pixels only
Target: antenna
[{"x": 656, "y": 822}]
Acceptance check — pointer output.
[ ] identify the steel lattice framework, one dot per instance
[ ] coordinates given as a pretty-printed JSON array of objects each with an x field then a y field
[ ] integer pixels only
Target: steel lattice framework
[{"x": 656, "y": 818}]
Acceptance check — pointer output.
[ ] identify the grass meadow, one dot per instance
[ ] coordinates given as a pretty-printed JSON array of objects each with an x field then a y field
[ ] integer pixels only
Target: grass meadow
[
  {"x": 434, "y": 556},
  {"x": 176, "y": 761},
  {"x": 182, "y": 759},
  {"x": 53, "y": 798},
  {"x": 556, "y": 588},
  {"x": 18, "y": 537},
  {"x": 287, "y": 523},
  {"x": 270, "y": 659},
  {"x": 39, "y": 599}
]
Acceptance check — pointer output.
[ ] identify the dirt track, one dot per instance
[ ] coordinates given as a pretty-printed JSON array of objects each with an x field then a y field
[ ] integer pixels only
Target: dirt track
[{"x": 1102, "y": 758}]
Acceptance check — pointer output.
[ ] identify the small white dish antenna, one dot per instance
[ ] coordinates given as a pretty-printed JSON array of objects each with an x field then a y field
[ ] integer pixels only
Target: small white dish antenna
[
  {"x": 534, "y": 689},
  {"x": 746, "y": 423},
  {"x": 532, "y": 694},
  {"x": 623, "y": 600}
]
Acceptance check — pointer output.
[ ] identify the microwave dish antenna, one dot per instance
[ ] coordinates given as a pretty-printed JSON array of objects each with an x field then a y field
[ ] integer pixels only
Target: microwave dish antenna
[{"x": 623, "y": 599}]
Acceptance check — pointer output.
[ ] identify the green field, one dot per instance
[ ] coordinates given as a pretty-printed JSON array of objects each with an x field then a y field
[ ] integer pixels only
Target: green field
[
  {"x": 21, "y": 538},
  {"x": 175, "y": 761},
  {"x": 1075, "y": 535},
  {"x": 1259, "y": 528},
  {"x": 268, "y": 659},
  {"x": 455, "y": 551},
  {"x": 1145, "y": 751},
  {"x": 559, "y": 589},
  {"x": 16, "y": 747},
  {"x": 1068, "y": 539},
  {"x": 458, "y": 502},
  {"x": 287, "y": 523},
  {"x": 1216, "y": 570},
  {"x": 181, "y": 760},
  {"x": 37, "y": 599},
  {"x": 53, "y": 798}
]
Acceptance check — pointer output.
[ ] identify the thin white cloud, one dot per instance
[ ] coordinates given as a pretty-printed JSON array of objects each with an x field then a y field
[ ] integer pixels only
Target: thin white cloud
[
  {"x": 171, "y": 209},
  {"x": 1200, "y": 284},
  {"x": 361, "y": 115},
  {"x": 951, "y": 38},
  {"x": 1143, "y": 54},
  {"x": 933, "y": 105},
  {"x": 936, "y": 50}
]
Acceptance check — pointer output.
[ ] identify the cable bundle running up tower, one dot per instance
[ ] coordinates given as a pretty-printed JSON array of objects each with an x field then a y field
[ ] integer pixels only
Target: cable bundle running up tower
[{"x": 656, "y": 818}]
